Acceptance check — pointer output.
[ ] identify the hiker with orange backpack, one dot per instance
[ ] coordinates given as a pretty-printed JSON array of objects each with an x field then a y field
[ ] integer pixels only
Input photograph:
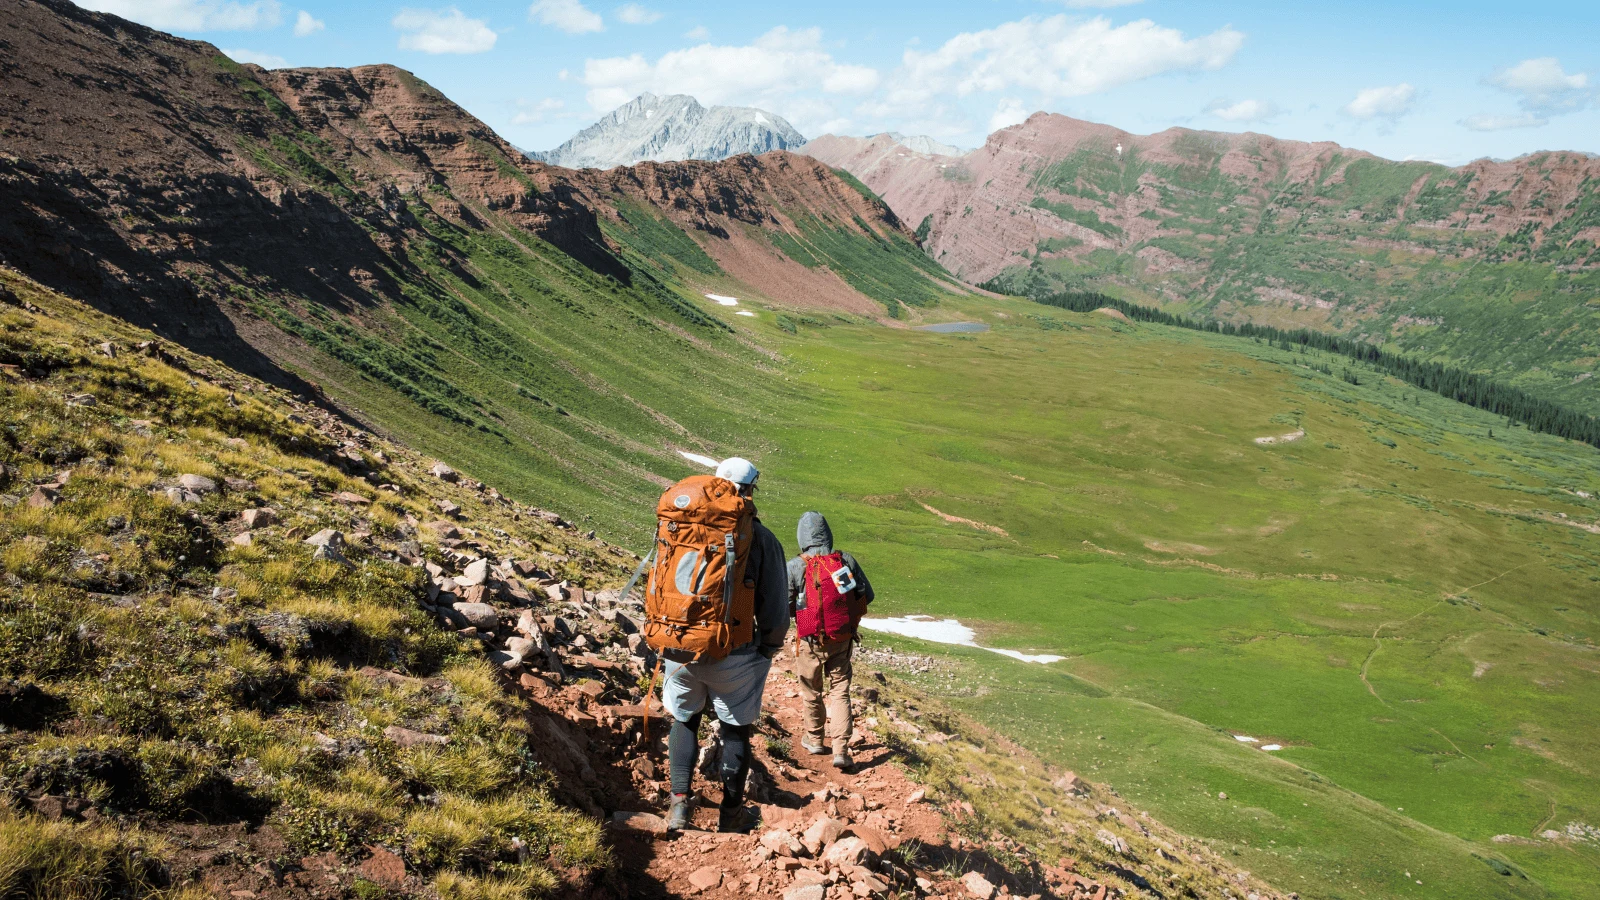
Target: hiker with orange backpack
[
  {"x": 828, "y": 594},
  {"x": 716, "y": 611}
]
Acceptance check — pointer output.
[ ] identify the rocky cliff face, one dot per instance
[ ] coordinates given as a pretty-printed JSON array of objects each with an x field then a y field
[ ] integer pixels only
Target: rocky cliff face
[
  {"x": 668, "y": 128},
  {"x": 1246, "y": 227},
  {"x": 164, "y": 181}
]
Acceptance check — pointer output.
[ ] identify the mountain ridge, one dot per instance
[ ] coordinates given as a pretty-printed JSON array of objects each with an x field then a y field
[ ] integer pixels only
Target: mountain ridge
[
  {"x": 1437, "y": 262},
  {"x": 345, "y": 233},
  {"x": 672, "y": 128}
]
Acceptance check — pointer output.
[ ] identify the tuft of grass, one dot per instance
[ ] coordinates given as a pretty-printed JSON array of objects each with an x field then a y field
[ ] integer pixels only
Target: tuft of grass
[{"x": 67, "y": 861}]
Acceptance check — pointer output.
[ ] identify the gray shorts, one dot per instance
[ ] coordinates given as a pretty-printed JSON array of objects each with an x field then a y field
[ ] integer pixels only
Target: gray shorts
[{"x": 733, "y": 685}]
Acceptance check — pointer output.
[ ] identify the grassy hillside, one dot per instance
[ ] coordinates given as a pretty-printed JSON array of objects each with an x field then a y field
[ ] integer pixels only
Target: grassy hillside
[
  {"x": 1400, "y": 600},
  {"x": 175, "y": 674},
  {"x": 1366, "y": 247}
]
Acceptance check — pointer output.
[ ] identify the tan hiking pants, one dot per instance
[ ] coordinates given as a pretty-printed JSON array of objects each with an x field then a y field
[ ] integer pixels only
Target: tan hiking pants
[{"x": 824, "y": 673}]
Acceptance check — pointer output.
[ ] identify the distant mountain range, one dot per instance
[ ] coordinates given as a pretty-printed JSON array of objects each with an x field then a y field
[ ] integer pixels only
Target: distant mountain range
[
  {"x": 675, "y": 127},
  {"x": 1493, "y": 266}
]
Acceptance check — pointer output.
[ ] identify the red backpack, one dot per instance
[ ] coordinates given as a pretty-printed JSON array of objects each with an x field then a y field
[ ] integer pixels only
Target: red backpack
[{"x": 831, "y": 611}]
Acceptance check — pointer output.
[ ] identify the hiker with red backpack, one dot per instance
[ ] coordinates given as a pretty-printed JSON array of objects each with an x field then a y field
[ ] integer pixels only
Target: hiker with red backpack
[
  {"x": 716, "y": 612},
  {"x": 828, "y": 594}
]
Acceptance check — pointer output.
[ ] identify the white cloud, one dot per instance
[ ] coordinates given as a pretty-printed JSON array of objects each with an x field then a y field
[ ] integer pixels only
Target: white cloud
[
  {"x": 1487, "y": 122},
  {"x": 442, "y": 31},
  {"x": 634, "y": 14},
  {"x": 1389, "y": 102},
  {"x": 697, "y": 33},
  {"x": 533, "y": 113},
  {"x": 777, "y": 67},
  {"x": 1541, "y": 85},
  {"x": 570, "y": 16},
  {"x": 194, "y": 15},
  {"x": 264, "y": 60},
  {"x": 1059, "y": 57},
  {"x": 1009, "y": 112},
  {"x": 306, "y": 25},
  {"x": 1243, "y": 111}
]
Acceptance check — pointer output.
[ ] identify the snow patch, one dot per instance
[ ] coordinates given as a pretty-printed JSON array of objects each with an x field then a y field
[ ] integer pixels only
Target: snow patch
[
  {"x": 1246, "y": 739},
  {"x": 1271, "y": 747},
  {"x": 946, "y": 631},
  {"x": 745, "y": 312},
  {"x": 725, "y": 301},
  {"x": 706, "y": 461}
]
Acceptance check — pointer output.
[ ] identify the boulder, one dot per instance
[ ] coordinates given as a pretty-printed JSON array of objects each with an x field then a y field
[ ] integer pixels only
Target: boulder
[
  {"x": 481, "y": 616},
  {"x": 405, "y": 737},
  {"x": 443, "y": 472},
  {"x": 1112, "y": 841},
  {"x": 647, "y": 823},
  {"x": 441, "y": 530},
  {"x": 977, "y": 886},
  {"x": 448, "y": 508},
  {"x": 782, "y": 843},
  {"x": 877, "y": 841},
  {"x": 350, "y": 499},
  {"x": 175, "y": 494},
  {"x": 821, "y": 833},
  {"x": 327, "y": 537},
  {"x": 806, "y": 892},
  {"x": 258, "y": 518},
  {"x": 705, "y": 878},
  {"x": 243, "y": 540},
  {"x": 43, "y": 497},
  {"x": 850, "y": 851},
  {"x": 506, "y": 660},
  {"x": 476, "y": 572},
  {"x": 197, "y": 483}
]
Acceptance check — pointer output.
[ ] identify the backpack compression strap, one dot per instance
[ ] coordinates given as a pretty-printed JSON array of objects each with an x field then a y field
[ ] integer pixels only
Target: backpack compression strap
[{"x": 643, "y": 564}]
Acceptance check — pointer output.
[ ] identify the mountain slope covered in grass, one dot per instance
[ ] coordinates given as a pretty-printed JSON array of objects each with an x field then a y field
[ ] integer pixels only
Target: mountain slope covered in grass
[
  {"x": 353, "y": 233},
  {"x": 1491, "y": 266}
]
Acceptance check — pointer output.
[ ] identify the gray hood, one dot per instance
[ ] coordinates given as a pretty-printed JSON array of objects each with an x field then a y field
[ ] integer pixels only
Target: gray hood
[{"x": 814, "y": 535}]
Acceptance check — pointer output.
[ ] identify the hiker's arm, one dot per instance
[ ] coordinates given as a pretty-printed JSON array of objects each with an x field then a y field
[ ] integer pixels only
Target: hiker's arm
[
  {"x": 772, "y": 593},
  {"x": 795, "y": 574},
  {"x": 863, "y": 586}
]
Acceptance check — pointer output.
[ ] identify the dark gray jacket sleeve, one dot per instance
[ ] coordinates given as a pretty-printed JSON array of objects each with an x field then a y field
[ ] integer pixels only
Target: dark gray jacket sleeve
[
  {"x": 797, "y": 582},
  {"x": 772, "y": 590},
  {"x": 863, "y": 586}
]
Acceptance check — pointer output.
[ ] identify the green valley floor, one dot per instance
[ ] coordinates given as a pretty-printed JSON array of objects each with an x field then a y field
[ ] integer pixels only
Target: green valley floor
[{"x": 1396, "y": 590}]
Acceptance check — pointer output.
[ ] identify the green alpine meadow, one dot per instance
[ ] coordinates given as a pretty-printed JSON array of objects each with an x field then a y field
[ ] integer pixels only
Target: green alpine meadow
[{"x": 1231, "y": 503}]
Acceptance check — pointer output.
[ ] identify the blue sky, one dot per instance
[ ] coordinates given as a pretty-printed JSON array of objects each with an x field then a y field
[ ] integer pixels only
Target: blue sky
[{"x": 1445, "y": 81}]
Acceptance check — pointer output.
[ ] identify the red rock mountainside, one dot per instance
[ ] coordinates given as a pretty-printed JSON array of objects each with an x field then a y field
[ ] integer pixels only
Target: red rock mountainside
[
  {"x": 1489, "y": 267},
  {"x": 986, "y": 218},
  {"x": 162, "y": 181}
]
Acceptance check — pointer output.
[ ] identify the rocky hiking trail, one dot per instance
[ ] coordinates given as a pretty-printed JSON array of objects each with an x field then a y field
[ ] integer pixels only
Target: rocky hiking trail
[{"x": 278, "y": 655}]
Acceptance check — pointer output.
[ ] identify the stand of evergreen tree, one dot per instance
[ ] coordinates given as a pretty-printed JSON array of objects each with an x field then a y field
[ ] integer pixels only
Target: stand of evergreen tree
[{"x": 1515, "y": 404}]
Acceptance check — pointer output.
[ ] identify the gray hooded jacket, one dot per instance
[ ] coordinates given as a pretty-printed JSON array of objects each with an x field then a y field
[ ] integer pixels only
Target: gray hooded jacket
[{"x": 816, "y": 539}]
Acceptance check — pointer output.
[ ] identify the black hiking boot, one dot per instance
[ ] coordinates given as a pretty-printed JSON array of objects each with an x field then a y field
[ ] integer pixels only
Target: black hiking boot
[
  {"x": 736, "y": 820},
  {"x": 678, "y": 815}
]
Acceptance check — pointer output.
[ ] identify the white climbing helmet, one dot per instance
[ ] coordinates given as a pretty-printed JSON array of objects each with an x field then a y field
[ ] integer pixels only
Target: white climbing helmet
[{"x": 738, "y": 470}]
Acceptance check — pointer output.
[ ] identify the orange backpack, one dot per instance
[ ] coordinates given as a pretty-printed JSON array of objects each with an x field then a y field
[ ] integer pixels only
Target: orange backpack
[{"x": 699, "y": 604}]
